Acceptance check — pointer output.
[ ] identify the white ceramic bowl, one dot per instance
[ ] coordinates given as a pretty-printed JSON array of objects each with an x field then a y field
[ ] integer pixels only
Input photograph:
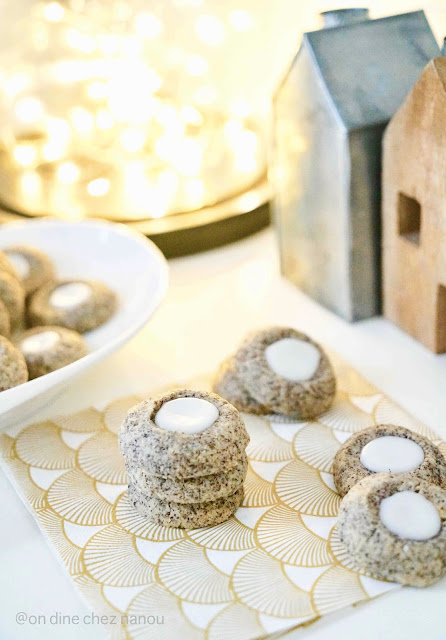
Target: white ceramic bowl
[{"x": 128, "y": 262}]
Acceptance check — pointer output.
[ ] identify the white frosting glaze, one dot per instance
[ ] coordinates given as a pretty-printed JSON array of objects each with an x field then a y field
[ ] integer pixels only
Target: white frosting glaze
[
  {"x": 20, "y": 263},
  {"x": 293, "y": 359},
  {"x": 410, "y": 516},
  {"x": 39, "y": 342},
  {"x": 189, "y": 415},
  {"x": 392, "y": 454},
  {"x": 70, "y": 295}
]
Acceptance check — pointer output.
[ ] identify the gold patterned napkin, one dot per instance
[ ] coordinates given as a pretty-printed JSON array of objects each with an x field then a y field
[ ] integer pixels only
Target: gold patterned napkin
[{"x": 275, "y": 565}]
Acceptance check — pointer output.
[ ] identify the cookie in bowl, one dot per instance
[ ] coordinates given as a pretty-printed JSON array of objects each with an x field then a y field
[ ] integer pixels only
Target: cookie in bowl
[
  {"x": 13, "y": 370},
  {"x": 394, "y": 527},
  {"x": 46, "y": 349},
  {"x": 5, "y": 324},
  {"x": 81, "y": 305},
  {"x": 33, "y": 266},
  {"x": 387, "y": 448},
  {"x": 13, "y": 297},
  {"x": 185, "y": 457},
  {"x": 287, "y": 372}
]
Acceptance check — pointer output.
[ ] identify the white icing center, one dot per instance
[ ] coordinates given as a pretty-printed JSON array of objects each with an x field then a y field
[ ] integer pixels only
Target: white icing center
[
  {"x": 392, "y": 454},
  {"x": 293, "y": 359},
  {"x": 20, "y": 263},
  {"x": 39, "y": 342},
  {"x": 410, "y": 516},
  {"x": 70, "y": 295},
  {"x": 189, "y": 415}
]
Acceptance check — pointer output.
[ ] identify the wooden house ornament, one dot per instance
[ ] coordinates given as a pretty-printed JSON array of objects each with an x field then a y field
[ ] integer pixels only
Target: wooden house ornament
[
  {"x": 414, "y": 211},
  {"x": 331, "y": 110}
]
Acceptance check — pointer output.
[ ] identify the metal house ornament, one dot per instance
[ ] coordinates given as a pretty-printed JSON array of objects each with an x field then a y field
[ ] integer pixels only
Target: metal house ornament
[{"x": 344, "y": 85}]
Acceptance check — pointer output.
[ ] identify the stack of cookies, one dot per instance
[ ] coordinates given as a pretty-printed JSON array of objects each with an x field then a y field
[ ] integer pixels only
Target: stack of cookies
[{"x": 185, "y": 457}]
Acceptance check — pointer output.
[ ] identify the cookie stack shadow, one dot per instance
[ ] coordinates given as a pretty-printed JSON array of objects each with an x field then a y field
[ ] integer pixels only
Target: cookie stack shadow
[{"x": 186, "y": 480}]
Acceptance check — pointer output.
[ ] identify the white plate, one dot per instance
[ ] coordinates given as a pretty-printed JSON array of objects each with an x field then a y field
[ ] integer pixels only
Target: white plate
[{"x": 128, "y": 262}]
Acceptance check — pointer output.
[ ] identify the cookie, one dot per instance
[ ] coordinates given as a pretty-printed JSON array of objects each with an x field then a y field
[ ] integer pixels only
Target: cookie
[
  {"x": 284, "y": 370},
  {"x": 12, "y": 295},
  {"x": 46, "y": 349},
  {"x": 13, "y": 370},
  {"x": 33, "y": 266},
  {"x": 174, "y": 453},
  {"x": 387, "y": 448},
  {"x": 229, "y": 386},
  {"x": 81, "y": 305},
  {"x": 5, "y": 324},
  {"x": 185, "y": 516},
  {"x": 190, "y": 490},
  {"x": 6, "y": 265},
  {"x": 394, "y": 527}
]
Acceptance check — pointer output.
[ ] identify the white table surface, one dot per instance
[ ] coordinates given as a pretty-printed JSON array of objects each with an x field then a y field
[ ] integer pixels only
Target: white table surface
[{"x": 214, "y": 299}]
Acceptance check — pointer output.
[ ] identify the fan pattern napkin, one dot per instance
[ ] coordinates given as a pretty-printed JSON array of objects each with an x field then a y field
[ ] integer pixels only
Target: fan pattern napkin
[{"x": 275, "y": 565}]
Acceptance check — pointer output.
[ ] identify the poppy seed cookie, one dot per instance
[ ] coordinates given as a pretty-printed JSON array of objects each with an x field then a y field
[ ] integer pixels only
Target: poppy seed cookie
[
  {"x": 229, "y": 386},
  {"x": 190, "y": 490},
  {"x": 46, "y": 349},
  {"x": 298, "y": 398},
  {"x": 13, "y": 297},
  {"x": 81, "y": 305},
  {"x": 13, "y": 369},
  {"x": 410, "y": 547},
  {"x": 348, "y": 469},
  {"x": 182, "y": 455},
  {"x": 5, "y": 324},
  {"x": 33, "y": 266},
  {"x": 185, "y": 516}
]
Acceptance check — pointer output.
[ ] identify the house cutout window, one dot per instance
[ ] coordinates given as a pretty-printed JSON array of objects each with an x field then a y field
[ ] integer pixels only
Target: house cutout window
[
  {"x": 409, "y": 218},
  {"x": 441, "y": 319}
]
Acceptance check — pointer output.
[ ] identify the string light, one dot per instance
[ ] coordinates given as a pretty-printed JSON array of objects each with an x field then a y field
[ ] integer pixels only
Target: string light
[
  {"x": 98, "y": 187},
  {"x": 25, "y": 154},
  {"x": 127, "y": 122},
  {"x": 29, "y": 110},
  {"x": 210, "y": 30},
  {"x": 68, "y": 173},
  {"x": 148, "y": 25},
  {"x": 241, "y": 20},
  {"x": 53, "y": 12}
]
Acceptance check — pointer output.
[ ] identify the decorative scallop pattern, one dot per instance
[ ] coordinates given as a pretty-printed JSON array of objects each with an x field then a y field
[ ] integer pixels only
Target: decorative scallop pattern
[
  {"x": 84, "y": 421},
  {"x": 111, "y": 558},
  {"x": 317, "y": 446},
  {"x": 336, "y": 588},
  {"x": 236, "y": 621},
  {"x": 74, "y": 497},
  {"x": 231, "y": 535},
  {"x": 131, "y": 521},
  {"x": 283, "y": 535},
  {"x": 302, "y": 488},
  {"x": 41, "y": 445},
  {"x": 99, "y": 458},
  {"x": 258, "y": 491},
  {"x": 115, "y": 412},
  {"x": 345, "y": 416},
  {"x": 388, "y": 412},
  {"x": 171, "y": 623},
  {"x": 265, "y": 445},
  {"x": 237, "y": 579},
  {"x": 260, "y": 583},
  {"x": 185, "y": 571}
]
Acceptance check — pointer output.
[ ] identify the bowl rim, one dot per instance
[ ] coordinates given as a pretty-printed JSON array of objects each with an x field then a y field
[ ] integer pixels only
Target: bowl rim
[{"x": 16, "y": 396}]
